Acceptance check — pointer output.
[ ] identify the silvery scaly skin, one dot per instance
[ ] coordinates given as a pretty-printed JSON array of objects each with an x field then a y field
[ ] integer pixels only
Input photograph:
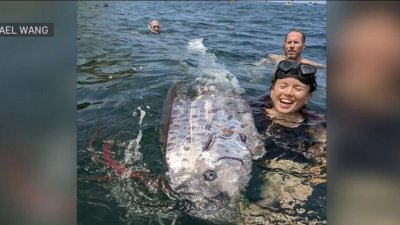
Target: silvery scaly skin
[{"x": 211, "y": 138}]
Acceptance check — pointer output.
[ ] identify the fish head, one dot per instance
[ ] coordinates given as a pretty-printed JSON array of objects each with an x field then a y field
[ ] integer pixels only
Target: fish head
[{"x": 221, "y": 171}]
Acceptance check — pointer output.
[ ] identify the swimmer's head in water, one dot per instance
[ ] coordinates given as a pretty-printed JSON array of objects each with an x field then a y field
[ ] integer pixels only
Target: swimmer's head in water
[
  {"x": 154, "y": 26},
  {"x": 305, "y": 73}
]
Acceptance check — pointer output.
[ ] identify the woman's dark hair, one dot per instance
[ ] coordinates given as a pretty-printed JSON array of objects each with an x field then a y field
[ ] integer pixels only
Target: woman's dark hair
[{"x": 312, "y": 82}]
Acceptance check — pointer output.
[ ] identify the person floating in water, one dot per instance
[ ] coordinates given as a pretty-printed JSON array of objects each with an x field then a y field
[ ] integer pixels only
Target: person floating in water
[
  {"x": 293, "y": 170},
  {"x": 154, "y": 26},
  {"x": 294, "y": 44},
  {"x": 284, "y": 109}
]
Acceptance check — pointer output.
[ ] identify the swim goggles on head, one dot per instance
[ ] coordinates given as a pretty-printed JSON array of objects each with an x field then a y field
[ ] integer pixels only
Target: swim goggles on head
[{"x": 305, "y": 73}]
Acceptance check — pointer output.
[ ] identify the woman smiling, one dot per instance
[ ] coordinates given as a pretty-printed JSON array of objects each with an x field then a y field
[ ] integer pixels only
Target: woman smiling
[
  {"x": 291, "y": 89},
  {"x": 290, "y": 131},
  {"x": 292, "y": 173}
]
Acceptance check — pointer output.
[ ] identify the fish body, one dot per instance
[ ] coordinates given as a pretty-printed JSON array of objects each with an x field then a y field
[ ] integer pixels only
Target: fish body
[{"x": 210, "y": 139}]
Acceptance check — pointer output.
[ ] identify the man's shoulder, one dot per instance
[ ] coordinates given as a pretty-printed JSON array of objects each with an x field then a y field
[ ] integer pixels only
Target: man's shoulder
[
  {"x": 271, "y": 58},
  {"x": 312, "y": 63},
  {"x": 277, "y": 58}
]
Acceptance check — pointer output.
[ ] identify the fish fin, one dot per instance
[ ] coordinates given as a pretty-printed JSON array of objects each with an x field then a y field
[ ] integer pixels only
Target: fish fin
[{"x": 166, "y": 114}]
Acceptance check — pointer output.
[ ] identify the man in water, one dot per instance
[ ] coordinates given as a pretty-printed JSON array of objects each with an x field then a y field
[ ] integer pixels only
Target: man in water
[
  {"x": 294, "y": 45},
  {"x": 154, "y": 26}
]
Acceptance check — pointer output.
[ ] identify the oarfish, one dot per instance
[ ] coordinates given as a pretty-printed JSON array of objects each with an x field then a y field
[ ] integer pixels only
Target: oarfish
[{"x": 209, "y": 137}]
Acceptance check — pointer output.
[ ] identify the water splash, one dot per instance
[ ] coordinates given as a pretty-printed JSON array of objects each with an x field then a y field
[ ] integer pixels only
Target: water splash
[
  {"x": 142, "y": 115},
  {"x": 197, "y": 45},
  {"x": 132, "y": 153},
  {"x": 209, "y": 68}
]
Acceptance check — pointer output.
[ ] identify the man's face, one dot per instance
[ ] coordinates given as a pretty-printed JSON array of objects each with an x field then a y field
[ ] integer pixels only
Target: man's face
[
  {"x": 155, "y": 26},
  {"x": 294, "y": 45}
]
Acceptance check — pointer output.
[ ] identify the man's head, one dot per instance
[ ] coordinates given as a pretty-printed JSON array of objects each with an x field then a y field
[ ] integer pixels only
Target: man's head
[
  {"x": 154, "y": 26},
  {"x": 294, "y": 44}
]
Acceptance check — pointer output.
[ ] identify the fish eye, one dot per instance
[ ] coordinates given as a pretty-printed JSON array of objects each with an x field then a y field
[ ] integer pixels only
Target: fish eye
[{"x": 210, "y": 175}]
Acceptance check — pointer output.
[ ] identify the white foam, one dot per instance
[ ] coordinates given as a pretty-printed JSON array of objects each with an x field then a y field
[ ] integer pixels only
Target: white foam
[
  {"x": 197, "y": 45},
  {"x": 208, "y": 65}
]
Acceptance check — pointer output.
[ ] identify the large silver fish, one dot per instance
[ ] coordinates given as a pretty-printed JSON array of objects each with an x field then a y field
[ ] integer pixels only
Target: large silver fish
[{"x": 209, "y": 137}]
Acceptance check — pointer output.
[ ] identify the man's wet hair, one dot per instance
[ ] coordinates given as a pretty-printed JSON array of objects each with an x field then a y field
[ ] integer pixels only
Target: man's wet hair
[{"x": 298, "y": 31}]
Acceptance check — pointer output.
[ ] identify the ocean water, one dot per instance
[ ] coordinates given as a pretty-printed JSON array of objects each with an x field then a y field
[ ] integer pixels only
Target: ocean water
[{"x": 125, "y": 71}]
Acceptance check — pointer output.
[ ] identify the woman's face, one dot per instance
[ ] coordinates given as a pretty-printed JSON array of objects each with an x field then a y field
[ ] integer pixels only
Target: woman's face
[{"x": 289, "y": 95}]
